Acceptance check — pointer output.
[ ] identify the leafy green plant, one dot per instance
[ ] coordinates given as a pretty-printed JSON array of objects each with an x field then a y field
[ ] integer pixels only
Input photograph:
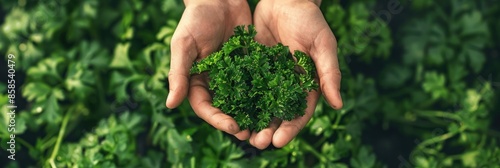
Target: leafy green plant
[
  {"x": 92, "y": 79},
  {"x": 263, "y": 81}
]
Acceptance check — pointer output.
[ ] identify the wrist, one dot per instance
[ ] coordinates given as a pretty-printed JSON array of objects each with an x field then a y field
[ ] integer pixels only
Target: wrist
[
  {"x": 316, "y": 2},
  {"x": 222, "y": 3}
]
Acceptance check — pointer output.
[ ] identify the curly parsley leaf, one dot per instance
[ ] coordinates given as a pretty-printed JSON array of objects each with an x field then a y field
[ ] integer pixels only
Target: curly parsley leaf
[{"x": 254, "y": 83}]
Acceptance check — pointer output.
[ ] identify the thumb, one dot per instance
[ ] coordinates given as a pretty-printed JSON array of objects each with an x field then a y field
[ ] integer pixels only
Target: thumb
[
  {"x": 182, "y": 56},
  {"x": 324, "y": 55}
]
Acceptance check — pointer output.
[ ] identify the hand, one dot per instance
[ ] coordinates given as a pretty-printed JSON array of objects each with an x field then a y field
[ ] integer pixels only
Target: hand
[
  {"x": 204, "y": 26},
  {"x": 300, "y": 25}
]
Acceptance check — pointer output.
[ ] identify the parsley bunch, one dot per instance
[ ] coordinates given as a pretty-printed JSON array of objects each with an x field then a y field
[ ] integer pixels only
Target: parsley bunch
[{"x": 254, "y": 83}]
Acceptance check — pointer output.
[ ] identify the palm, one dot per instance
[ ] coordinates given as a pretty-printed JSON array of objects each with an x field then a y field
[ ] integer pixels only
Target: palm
[{"x": 198, "y": 35}]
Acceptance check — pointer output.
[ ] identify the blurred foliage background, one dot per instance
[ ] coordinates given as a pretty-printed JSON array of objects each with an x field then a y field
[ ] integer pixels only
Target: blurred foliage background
[{"x": 420, "y": 87}]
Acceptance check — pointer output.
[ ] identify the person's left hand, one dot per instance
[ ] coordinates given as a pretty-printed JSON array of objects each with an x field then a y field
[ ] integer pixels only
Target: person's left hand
[{"x": 300, "y": 25}]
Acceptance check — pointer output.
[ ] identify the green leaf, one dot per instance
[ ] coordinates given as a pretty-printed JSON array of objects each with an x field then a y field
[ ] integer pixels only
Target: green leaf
[
  {"x": 434, "y": 83},
  {"x": 120, "y": 56},
  {"x": 476, "y": 58},
  {"x": 46, "y": 69},
  {"x": 164, "y": 32},
  {"x": 216, "y": 141},
  {"x": 395, "y": 76},
  {"x": 473, "y": 24},
  {"x": 364, "y": 159},
  {"x": 78, "y": 80},
  {"x": 319, "y": 125},
  {"x": 154, "y": 160},
  {"x": 472, "y": 101},
  {"x": 36, "y": 91},
  {"x": 51, "y": 111},
  {"x": 178, "y": 146}
]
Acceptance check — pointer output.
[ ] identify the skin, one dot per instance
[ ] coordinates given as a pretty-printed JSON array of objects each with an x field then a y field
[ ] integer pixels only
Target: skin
[
  {"x": 298, "y": 24},
  {"x": 204, "y": 26}
]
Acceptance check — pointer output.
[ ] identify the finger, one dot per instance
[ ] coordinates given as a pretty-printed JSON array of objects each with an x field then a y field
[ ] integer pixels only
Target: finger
[
  {"x": 263, "y": 138},
  {"x": 243, "y": 135},
  {"x": 184, "y": 51},
  {"x": 324, "y": 55},
  {"x": 289, "y": 129},
  {"x": 200, "y": 100}
]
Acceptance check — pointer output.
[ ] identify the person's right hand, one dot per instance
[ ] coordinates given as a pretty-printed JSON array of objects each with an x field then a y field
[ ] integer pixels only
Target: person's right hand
[{"x": 204, "y": 26}]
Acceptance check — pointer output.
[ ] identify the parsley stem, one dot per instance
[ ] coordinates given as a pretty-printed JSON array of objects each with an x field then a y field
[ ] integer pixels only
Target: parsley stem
[
  {"x": 309, "y": 148},
  {"x": 47, "y": 142},
  {"x": 26, "y": 144},
  {"x": 337, "y": 120},
  {"x": 439, "y": 138},
  {"x": 59, "y": 140},
  {"x": 442, "y": 114},
  {"x": 338, "y": 127},
  {"x": 155, "y": 123},
  {"x": 320, "y": 142},
  {"x": 430, "y": 151}
]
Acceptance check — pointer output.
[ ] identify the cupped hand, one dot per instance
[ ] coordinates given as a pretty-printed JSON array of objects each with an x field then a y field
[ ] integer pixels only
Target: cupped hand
[
  {"x": 300, "y": 25},
  {"x": 204, "y": 26}
]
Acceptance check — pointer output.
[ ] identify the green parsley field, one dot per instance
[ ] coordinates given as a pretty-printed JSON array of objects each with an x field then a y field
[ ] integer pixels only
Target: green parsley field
[{"x": 420, "y": 85}]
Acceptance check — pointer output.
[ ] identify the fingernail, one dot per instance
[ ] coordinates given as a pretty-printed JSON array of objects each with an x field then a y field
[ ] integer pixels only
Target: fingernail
[{"x": 168, "y": 99}]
